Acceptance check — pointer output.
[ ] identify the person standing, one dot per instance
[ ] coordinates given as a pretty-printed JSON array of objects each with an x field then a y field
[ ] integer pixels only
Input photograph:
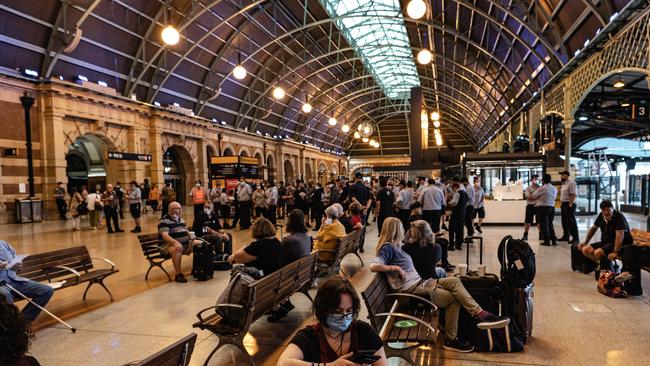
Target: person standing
[
  {"x": 568, "y": 195},
  {"x": 259, "y": 201},
  {"x": 361, "y": 194},
  {"x": 224, "y": 206},
  {"x": 433, "y": 205},
  {"x": 317, "y": 206},
  {"x": 404, "y": 200},
  {"x": 59, "y": 198},
  {"x": 531, "y": 207},
  {"x": 545, "y": 196},
  {"x": 479, "y": 210},
  {"x": 244, "y": 196},
  {"x": 146, "y": 188},
  {"x": 135, "y": 205},
  {"x": 272, "y": 197},
  {"x": 199, "y": 196},
  {"x": 94, "y": 203},
  {"x": 385, "y": 203},
  {"x": 300, "y": 200},
  {"x": 111, "y": 205},
  {"x": 282, "y": 205},
  {"x": 120, "y": 198},
  {"x": 469, "y": 211},
  {"x": 166, "y": 195},
  {"x": 153, "y": 199},
  {"x": 458, "y": 206},
  {"x": 75, "y": 200},
  {"x": 344, "y": 189}
]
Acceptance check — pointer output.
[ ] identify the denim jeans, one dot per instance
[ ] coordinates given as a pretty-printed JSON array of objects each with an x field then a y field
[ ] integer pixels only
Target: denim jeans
[{"x": 38, "y": 292}]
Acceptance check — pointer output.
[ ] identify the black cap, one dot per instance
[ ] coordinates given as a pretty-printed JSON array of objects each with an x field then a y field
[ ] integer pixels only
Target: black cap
[
  {"x": 565, "y": 172},
  {"x": 357, "y": 175}
]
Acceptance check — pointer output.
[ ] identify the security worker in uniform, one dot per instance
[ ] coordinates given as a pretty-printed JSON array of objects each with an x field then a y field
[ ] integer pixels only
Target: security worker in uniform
[{"x": 568, "y": 196}]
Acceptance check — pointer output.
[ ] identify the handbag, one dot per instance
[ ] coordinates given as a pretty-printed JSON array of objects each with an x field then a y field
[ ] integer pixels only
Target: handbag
[{"x": 608, "y": 286}]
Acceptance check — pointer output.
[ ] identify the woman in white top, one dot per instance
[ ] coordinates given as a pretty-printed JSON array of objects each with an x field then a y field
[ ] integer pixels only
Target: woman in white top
[{"x": 93, "y": 200}]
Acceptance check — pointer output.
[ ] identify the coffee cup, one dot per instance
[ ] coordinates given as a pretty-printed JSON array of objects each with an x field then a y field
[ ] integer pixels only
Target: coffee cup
[
  {"x": 462, "y": 269},
  {"x": 481, "y": 270}
]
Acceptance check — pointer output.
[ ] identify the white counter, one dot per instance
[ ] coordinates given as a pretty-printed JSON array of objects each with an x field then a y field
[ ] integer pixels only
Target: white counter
[{"x": 504, "y": 212}]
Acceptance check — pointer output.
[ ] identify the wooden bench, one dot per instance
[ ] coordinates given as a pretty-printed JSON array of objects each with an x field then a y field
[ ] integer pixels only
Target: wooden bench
[
  {"x": 349, "y": 244},
  {"x": 259, "y": 298},
  {"x": 176, "y": 354},
  {"x": 72, "y": 265},
  {"x": 386, "y": 308},
  {"x": 152, "y": 245}
]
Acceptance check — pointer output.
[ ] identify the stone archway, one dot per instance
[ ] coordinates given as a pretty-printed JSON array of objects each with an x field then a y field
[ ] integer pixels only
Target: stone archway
[
  {"x": 289, "y": 175},
  {"x": 323, "y": 174},
  {"x": 228, "y": 152},
  {"x": 270, "y": 166},
  {"x": 308, "y": 171},
  {"x": 88, "y": 163},
  {"x": 260, "y": 165},
  {"x": 243, "y": 151},
  {"x": 179, "y": 170}
]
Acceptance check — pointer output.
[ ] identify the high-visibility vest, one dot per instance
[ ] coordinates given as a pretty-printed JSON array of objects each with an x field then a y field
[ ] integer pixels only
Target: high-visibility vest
[{"x": 198, "y": 196}]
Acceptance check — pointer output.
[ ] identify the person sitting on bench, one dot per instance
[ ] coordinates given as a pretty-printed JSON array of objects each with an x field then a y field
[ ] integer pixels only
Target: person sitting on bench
[
  {"x": 448, "y": 293},
  {"x": 420, "y": 244},
  {"x": 38, "y": 292},
  {"x": 338, "y": 334},
  {"x": 265, "y": 253},
  {"x": 614, "y": 233},
  {"x": 15, "y": 335},
  {"x": 173, "y": 231},
  {"x": 207, "y": 227},
  {"x": 327, "y": 237}
]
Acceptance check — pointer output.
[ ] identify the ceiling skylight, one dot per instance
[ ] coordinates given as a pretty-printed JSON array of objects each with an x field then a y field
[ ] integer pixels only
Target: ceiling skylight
[{"x": 376, "y": 29}]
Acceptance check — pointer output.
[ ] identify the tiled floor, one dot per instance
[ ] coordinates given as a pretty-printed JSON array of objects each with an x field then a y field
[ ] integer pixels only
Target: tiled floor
[{"x": 573, "y": 323}]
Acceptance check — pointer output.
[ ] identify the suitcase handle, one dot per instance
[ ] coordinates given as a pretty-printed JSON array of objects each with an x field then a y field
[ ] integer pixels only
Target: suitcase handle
[{"x": 480, "y": 239}]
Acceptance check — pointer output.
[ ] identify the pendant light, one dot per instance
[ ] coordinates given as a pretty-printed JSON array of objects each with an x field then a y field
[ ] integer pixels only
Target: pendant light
[
  {"x": 345, "y": 128},
  {"x": 424, "y": 57},
  {"x": 169, "y": 34},
  {"x": 278, "y": 92},
  {"x": 416, "y": 9},
  {"x": 332, "y": 121}
]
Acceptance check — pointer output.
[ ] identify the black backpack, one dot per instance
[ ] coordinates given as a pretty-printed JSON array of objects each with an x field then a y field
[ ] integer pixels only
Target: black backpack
[{"x": 517, "y": 262}]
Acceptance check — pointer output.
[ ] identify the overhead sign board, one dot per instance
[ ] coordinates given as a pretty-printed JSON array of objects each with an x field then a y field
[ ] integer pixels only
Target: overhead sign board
[{"x": 114, "y": 155}]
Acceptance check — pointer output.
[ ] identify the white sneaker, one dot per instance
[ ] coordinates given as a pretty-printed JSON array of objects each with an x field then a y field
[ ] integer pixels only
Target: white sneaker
[{"x": 624, "y": 276}]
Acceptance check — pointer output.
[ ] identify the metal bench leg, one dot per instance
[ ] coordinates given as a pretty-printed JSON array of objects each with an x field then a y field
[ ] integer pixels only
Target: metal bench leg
[
  {"x": 237, "y": 342},
  {"x": 159, "y": 265},
  {"x": 358, "y": 256},
  {"x": 404, "y": 354},
  {"x": 90, "y": 283},
  {"x": 101, "y": 283}
]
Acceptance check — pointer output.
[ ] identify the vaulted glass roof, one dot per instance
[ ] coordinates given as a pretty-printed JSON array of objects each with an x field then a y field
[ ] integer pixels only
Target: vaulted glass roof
[{"x": 376, "y": 29}]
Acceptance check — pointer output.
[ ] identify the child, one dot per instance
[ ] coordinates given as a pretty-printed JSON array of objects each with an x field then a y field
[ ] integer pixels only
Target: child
[{"x": 355, "y": 215}]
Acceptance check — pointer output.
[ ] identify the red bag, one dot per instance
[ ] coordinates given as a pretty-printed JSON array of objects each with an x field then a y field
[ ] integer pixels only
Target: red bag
[{"x": 608, "y": 286}]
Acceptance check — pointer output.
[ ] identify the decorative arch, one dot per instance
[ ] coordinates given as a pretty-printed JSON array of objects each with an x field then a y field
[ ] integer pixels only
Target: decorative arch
[
  {"x": 270, "y": 166},
  {"x": 186, "y": 174},
  {"x": 244, "y": 151},
  {"x": 289, "y": 174},
  {"x": 228, "y": 150}
]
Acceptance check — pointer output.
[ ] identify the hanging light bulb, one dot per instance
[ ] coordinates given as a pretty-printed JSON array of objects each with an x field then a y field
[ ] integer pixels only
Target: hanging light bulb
[
  {"x": 436, "y": 124},
  {"x": 357, "y": 135},
  {"x": 424, "y": 57},
  {"x": 372, "y": 141},
  {"x": 618, "y": 84},
  {"x": 435, "y": 116},
  {"x": 345, "y": 128},
  {"x": 332, "y": 121},
  {"x": 416, "y": 9},
  {"x": 439, "y": 142},
  {"x": 306, "y": 107},
  {"x": 170, "y": 35},
  {"x": 278, "y": 92},
  {"x": 239, "y": 72},
  {"x": 365, "y": 139}
]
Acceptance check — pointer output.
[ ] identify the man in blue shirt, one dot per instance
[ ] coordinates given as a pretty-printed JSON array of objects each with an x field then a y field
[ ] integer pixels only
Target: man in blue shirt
[{"x": 38, "y": 292}]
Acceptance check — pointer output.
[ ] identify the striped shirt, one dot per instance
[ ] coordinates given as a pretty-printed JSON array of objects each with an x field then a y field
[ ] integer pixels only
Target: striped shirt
[{"x": 177, "y": 229}]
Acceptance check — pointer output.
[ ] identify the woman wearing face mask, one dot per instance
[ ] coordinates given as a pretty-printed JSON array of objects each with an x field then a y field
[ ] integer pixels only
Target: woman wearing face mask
[
  {"x": 338, "y": 333},
  {"x": 327, "y": 237}
]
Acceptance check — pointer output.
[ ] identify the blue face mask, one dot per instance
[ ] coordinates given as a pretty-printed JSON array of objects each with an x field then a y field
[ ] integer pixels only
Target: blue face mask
[{"x": 339, "y": 322}]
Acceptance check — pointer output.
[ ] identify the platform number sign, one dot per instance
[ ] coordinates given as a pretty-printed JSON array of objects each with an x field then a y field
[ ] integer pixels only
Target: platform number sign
[{"x": 640, "y": 110}]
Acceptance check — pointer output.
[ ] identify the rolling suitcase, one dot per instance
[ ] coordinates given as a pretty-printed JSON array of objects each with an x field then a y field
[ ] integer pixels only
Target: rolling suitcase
[
  {"x": 481, "y": 289},
  {"x": 202, "y": 265},
  {"x": 581, "y": 263}
]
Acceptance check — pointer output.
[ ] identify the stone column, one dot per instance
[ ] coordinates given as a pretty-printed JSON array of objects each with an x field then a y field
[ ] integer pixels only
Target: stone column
[
  {"x": 155, "y": 144},
  {"x": 202, "y": 163},
  {"x": 53, "y": 150},
  {"x": 567, "y": 144}
]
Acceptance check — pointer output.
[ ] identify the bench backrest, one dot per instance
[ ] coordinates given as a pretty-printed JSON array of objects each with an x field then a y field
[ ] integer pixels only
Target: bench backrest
[
  {"x": 177, "y": 354},
  {"x": 274, "y": 288},
  {"x": 43, "y": 266},
  {"x": 348, "y": 244},
  {"x": 641, "y": 237},
  {"x": 150, "y": 244},
  {"x": 376, "y": 299}
]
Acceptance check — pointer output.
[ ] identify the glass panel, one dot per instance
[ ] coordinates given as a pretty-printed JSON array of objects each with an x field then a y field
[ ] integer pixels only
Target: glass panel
[{"x": 376, "y": 29}]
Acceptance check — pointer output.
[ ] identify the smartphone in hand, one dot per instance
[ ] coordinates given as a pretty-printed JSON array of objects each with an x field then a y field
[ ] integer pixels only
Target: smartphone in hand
[{"x": 364, "y": 357}]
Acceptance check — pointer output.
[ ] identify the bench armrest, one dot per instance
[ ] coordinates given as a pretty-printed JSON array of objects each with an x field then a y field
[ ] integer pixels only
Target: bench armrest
[
  {"x": 71, "y": 270},
  {"x": 416, "y": 297},
  {"x": 107, "y": 261},
  {"x": 200, "y": 313},
  {"x": 406, "y": 316}
]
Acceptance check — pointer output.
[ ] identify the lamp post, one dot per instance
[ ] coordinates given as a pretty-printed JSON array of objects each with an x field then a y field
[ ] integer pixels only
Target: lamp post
[{"x": 28, "y": 101}]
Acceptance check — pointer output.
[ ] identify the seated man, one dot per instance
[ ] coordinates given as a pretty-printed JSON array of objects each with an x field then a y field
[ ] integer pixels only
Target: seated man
[
  {"x": 207, "y": 226},
  {"x": 614, "y": 233},
  {"x": 38, "y": 292},
  {"x": 174, "y": 233}
]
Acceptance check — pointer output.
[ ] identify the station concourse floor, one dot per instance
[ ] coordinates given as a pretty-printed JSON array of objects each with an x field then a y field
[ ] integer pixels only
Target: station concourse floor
[{"x": 573, "y": 323}]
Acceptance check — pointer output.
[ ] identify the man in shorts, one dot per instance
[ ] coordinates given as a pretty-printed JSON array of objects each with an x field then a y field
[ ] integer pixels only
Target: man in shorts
[
  {"x": 173, "y": 231},
  {"x": 614, "y": 234}
]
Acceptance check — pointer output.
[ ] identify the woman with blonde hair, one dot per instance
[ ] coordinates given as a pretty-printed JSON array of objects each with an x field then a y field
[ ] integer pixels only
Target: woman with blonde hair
[{"x": 448, "y": 293}]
